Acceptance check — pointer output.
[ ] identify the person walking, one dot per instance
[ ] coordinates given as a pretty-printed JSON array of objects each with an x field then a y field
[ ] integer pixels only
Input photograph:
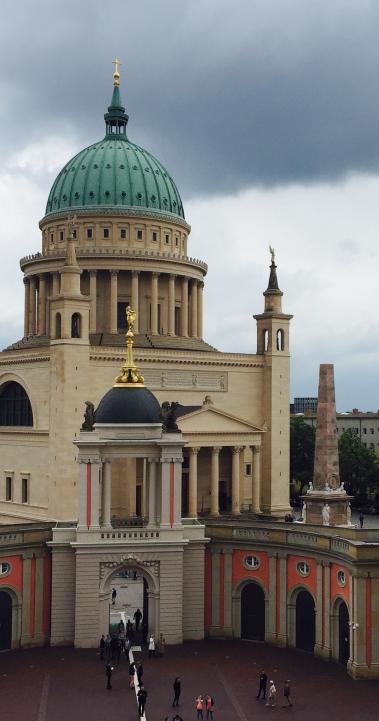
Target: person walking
[
  {"x": 108, "y": 647},
  {"x": 177, "y": 689},
  {"x": 199, "y": 707},
  {"x": 151, "y": 646},
  {"x": 114, "y": 595},
  {"x": 132, "y": 670},
  {"x": 287, "y": 693},
  {"x": 137, "y": 618},
  {"x": 141, "y": 696},
  {"x": 262, "y": 685},
  {"x": 102, "y": 648},
  {"x": 361, "y": 519},
  {"x": 209, "y": 704},
  {"x": 108, "y": 673},
  {"x": 140, "y": 673},
  {"x": 271, "y": 699}
]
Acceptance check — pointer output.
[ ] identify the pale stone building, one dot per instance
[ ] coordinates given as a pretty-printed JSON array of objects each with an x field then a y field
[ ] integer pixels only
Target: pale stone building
[
  {"x": 130, "y": 246},
  {"x": 191, "y": 515}
]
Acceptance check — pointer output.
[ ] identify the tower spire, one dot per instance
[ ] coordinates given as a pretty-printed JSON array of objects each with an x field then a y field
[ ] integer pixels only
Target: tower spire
[
  {"x": 116, "y": 118},
  {"x": 273, "y": 294},
  {"x": 129, "y": 375}
]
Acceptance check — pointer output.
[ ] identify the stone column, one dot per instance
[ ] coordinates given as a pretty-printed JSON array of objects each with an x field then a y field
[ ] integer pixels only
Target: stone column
[
  {"x": 228, "y": 587},
  {"x": 215, "y": 481},
  {"x": 154, "y": 303},
  {"x": 26, "y": 600},
  {"x": 56, "y": 285},
  {"x": 32, "y": 305},
  {"x": 113, "y": 302},
  {"x": 192, "y": 491},
  {"x": 236, "y": 481},
  {"x": 26, "y": 307},
  {"x": 184, "y": 308},
  {"x": 152, "y": 492},
  {"x": 271, "y": 621},
  {"x": 194, "y": 309},
  {"x": 200, "y": 309},
  {"x": 135, "y": 298},
  {"x": 42, "y": 305},
  {"x": 171, "y": 305},
  {"x": 93, "y": 303},
  {"x": 256, "y": 480},
  {"x": 95, "y": 494},
  {"x": 107, "y": 494},
  {"x": 165, "y": 493}
]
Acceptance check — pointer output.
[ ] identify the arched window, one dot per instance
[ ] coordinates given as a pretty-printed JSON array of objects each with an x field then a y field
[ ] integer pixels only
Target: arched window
[
  {"x": 15, "y": 408},
  {"x": 58, "y": 325},
  {"x": 75, "y": 325},
  {"x": 265, "y": 340},
  {"x": 280, "y": 339}
]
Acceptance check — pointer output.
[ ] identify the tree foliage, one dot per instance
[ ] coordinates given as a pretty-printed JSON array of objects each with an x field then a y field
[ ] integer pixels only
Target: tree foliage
[
  {"x": 359, "y": 467},
  {"x": 302, "y": 451}
]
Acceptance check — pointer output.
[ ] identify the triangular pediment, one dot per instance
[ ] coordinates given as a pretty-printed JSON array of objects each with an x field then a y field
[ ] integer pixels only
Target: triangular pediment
[{"x": 210, "y": 419}]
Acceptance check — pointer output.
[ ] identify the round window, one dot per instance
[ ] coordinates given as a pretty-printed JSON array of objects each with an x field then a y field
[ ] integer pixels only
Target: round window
[
  {"x": 252, "y": 562},
  {"x": 341, "y": 578},
  {"x": 303, "y": 568},
  {"x": 5, "y": 568}
]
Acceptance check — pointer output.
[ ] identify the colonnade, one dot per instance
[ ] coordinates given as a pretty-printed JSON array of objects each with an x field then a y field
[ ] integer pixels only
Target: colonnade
[
  {"x": 39, "y": 288},
  {"x": 236, "y": 490}
]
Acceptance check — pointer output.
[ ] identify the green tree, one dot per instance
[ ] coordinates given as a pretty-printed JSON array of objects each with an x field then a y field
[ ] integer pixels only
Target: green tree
[
  {"x": 302, "y": 451},
  {"x": 359, "y": 468}
]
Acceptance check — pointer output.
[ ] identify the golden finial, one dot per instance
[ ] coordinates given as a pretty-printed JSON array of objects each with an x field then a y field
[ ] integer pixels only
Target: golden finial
[
  {"x": 130, "y": 375},
  {"x": 116, "y": 74}
]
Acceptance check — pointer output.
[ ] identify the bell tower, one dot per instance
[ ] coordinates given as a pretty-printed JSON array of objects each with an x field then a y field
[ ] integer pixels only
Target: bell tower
[
  {"x": 273, "y": 345},
  {"x": 69, "y": 379}
]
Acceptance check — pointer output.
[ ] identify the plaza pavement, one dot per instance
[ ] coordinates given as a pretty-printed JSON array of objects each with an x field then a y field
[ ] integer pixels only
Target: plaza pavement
[{"x": 64, "y": 684}]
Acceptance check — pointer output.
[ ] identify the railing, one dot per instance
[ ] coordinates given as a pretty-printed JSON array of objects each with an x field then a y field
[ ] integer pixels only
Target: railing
[
  {"x": 140, "y": 534},
  {"x": 114, "y": 251}
]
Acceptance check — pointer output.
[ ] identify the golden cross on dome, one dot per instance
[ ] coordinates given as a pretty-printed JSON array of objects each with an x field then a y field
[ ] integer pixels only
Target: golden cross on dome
[{"x": 116, "y": 74}]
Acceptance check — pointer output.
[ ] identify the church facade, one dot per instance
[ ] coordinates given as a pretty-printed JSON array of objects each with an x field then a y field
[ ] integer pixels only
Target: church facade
[{"x": 197, "y": 511}]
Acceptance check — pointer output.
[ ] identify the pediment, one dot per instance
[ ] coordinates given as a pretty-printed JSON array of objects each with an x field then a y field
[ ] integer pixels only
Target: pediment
[{"x": 209, "y": 419}]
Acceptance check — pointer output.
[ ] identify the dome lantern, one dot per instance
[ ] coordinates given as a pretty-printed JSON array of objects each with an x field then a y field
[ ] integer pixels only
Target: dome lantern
[{"x": 116, "y": 119}]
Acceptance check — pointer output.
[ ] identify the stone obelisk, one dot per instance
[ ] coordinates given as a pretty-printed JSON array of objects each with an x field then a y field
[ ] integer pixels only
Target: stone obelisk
[{"x": 326, "y": 501}]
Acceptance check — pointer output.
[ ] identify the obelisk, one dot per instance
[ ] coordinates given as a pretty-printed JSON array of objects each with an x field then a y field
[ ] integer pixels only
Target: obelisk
[{"x": 326, "y": 500}]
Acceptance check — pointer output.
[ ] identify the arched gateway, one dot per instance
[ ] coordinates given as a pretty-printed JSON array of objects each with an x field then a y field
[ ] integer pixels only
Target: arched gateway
[
  {"x": 137, "y": 587},
  {"x": 305, "y": 621}
]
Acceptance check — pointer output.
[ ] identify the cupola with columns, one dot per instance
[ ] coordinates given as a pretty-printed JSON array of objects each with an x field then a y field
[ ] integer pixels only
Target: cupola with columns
[{"x": 131, "y": 246}]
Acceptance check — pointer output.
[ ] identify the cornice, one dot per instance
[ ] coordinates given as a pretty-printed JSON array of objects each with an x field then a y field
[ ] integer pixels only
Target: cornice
[
  {"x": 119, "y": 211},
  {"x": 178, "y": 357},
  {"x": 16, "y": 360}
]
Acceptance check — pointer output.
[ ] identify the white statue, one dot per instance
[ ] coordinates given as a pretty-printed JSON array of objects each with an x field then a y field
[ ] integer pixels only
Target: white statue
[
  {"x": 304, "y": 513},
  {"x": 310, "y": 487},
  {"x": 327, "y": 487},
  {"x": 326, "y": 514},
  {"x": 342, "y": 487},
  {"x": 348, "y": 515}
]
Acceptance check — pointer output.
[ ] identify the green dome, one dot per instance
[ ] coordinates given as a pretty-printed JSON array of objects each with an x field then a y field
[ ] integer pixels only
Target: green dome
[{"x": 114, "y": 173}]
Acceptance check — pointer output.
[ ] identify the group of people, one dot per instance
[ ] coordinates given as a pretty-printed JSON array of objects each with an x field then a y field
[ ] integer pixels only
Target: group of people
[
  {"x": 204, "y": 703},
  {"x": 270, "y": 695}
]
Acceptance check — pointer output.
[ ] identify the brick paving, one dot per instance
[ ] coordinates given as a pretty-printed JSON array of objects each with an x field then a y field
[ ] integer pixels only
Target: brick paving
[{"x": 64, "y": 684}]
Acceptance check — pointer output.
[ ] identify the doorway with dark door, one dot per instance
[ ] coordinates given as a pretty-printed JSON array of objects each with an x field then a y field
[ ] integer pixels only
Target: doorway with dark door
[
  {"x": 305, "y": 621},
  {"x": 5, "y": 621},
  {"x": 253, "y": 612},
  {"x": 343, "y": 634}
]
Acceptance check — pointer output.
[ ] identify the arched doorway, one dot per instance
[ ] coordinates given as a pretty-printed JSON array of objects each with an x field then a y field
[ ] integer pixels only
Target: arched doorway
[
  {"x": 5, "y": 621},
  {"x": 136, "y": 588},
  {"x": 343, "y": 633},
  {"x": 253, "y": 612},
  {"x": 305, "y": 621}
]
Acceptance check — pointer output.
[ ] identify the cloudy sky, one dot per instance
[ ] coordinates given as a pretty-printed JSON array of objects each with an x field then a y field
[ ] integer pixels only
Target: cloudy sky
[{"x": 267, "y": 116}]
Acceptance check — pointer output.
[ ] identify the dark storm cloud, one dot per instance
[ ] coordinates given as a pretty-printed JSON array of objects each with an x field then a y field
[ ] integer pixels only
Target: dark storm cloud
[{"x": 227, "y": 96}]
